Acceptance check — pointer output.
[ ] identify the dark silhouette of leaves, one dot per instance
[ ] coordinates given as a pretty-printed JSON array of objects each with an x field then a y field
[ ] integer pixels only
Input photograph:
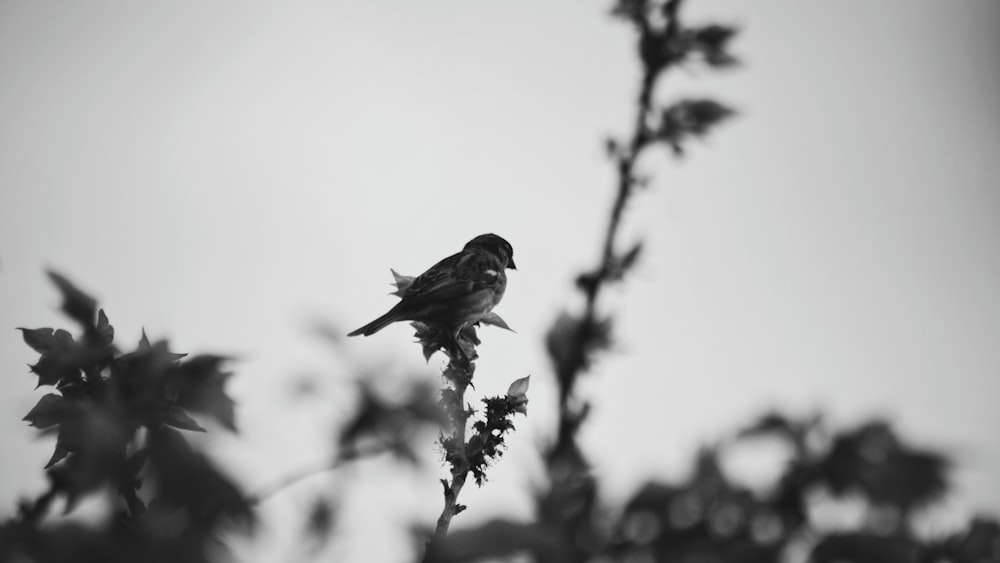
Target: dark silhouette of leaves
[
  {"x": 105, "y": 332},
  {"x": 873, "y": 461},
  {"x": 77, "y": 305},
  {"x": 864, "y": 548},
  {"x": 572, "y": 343},
  {"x": 200, "y": 383},
  {"x": 52, "y": 369},
  {"x": 712, "y": 42},
  {"x": 635, "y": 11},
  {"x": 103, "y": 399},
  {"x": 41, "y": 340},
  {"x": 116, "y": 417},
  {"x": 50, "y": 410},
  {"x": 389, "y": 425},
  {"x": 689, "y": 118},
  {"x": 486, "y": 443},
  {"x": 980, "y": 543},
  {"x": 187, "y": 481}
]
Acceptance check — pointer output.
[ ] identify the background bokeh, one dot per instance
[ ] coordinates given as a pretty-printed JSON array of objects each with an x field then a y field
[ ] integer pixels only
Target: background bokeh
[{"x": 228, "y": 174}]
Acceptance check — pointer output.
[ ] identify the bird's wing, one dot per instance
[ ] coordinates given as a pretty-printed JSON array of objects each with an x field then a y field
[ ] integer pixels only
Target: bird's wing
[{"x": 456, "y": 276}]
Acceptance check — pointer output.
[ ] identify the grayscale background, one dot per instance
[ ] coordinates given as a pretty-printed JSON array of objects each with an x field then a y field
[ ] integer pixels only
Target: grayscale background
[{"x": 227, "y": 174}]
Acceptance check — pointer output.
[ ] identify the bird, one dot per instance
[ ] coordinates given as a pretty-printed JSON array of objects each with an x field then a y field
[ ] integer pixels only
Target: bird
[{"x": 455, "y": 293}]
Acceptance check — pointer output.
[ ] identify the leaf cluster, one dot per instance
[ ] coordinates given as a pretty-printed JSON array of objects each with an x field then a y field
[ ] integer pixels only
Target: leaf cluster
[
  {"x": 383, "y": 425},
  {"x": 710, "y": 517},
  {"x": 486, "y": 443},
  {"x": 116, "y": 418}
]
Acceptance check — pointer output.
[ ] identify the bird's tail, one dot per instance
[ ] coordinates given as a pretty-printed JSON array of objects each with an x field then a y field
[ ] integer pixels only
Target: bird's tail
[{"x": 376, "y": 325}]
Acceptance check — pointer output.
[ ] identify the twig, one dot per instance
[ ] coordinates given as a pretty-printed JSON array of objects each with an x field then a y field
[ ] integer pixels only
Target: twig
[
  {"x": 569, "y": 470},
  {"x": 625, "y": 189},
  {"x": 267, "y": 492},
  {"x": 459, "y": 374}
]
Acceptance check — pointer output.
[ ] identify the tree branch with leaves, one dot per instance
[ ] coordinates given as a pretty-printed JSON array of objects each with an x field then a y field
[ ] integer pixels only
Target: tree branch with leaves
[{"x": 119, "y": 419}]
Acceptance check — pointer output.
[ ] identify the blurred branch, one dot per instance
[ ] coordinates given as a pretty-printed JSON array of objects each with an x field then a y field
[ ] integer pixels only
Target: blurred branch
[
  {"x": 574, "y": 340},
  {"x": 470, "y": 452},
  {"x": 267, "y": 492},
  {"x": 458, "y": 373}
]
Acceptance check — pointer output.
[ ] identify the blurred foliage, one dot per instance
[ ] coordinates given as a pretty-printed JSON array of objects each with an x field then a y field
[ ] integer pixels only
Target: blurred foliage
[
  {"x": 119, "y": 420},
  {"x": 709, "y": 518}
]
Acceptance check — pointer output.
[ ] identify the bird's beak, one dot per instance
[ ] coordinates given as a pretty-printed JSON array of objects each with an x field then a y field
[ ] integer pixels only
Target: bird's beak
[{"x": 510, "y": 264}]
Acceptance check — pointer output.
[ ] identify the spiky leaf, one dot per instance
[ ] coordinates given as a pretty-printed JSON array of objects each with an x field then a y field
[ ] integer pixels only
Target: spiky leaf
[
  {"x": 76, "y": 304},
  {"x": 50, "y": 410}
]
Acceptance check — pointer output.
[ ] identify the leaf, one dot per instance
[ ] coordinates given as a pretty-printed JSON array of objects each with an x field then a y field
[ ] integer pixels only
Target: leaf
[
  {"x": 430, "y": 338},
  {"x": 572, "y": 343},
  {"x": 50, "y": 410},
  {"x": 629, "y": 258},
  {"x": 494, "y": 319},
  {"x": 519, "y": 386},
  {"x": 96, "y": 442},
  {"x": 631, "y": 10},
  {"x": 177, "y": 418},
  {"x": 161, "y": 352},
  {"x": 58, "y": 454},
  {"x": 705, "y": 114},
  {"x": 76, "y": 304},
  {"x": 712, "y": 41},
  {"x": 63, "y": 339},
  {"x": 202, "y": 383},
  {"x": 39, "y": 339},
  {"x": 873, "y": 461},
  {"x": 44, "y": 340},
  {"x": 105, "y": 331},
  {"x": 620, "y": 265},
  {"x": 517, "y": 395},
  {"x": 61, "y": 357},
  {"x": 144, "y": 341},
  {"x": 612, "y": 148},
  {"x": 769, "y": 423},
  {"x": 50, "y": 371},
  {"x": 401, "y": 282},
  {"x": 188, "y": 479},
  {"x": 714, "y": 36},
  {"x": 690, "y": 117}
]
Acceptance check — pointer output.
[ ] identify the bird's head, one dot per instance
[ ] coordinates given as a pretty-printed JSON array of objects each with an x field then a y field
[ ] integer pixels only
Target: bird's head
[{"x": 496, "y": 245}]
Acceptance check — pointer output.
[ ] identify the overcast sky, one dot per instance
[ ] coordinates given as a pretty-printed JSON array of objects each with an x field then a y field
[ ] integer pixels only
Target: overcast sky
[{"x": 226, "y": 173}]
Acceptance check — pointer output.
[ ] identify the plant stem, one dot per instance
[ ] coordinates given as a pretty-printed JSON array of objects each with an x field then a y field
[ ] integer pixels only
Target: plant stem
[
  {"x": 302, "y": 474},
  {"x": 459, "y": 374}
]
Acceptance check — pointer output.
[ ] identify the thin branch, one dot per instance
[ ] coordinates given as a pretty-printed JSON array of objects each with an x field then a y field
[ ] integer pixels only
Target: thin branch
[
  {"x": 460, "y": 374},
  {"x": 589, "y": 331},
  {"x": 626, "y": 183},
  {"x": 267, "y": 492}
]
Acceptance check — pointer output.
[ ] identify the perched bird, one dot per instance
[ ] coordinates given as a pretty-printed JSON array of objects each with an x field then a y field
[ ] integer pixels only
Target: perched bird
[{"x": 455, "y": 293}]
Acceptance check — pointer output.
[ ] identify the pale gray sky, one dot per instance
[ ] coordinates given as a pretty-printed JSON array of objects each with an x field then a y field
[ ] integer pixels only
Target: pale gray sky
[{"x": 223, "y": 173}]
